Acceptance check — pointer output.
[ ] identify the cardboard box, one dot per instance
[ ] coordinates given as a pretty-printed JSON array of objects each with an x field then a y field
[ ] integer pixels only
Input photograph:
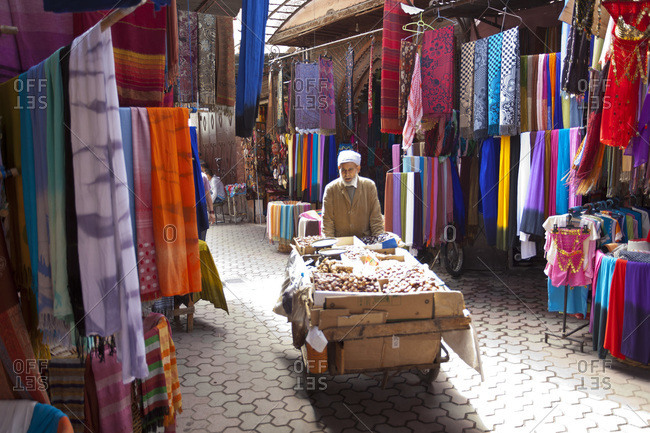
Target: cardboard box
[
  {"x": 367, "y": 318},
  {"x": 386, "y": 352},
  {"x": 401, "y": 306},
  {"x": 448, "y": 303},
  {"x": 329, "y": 318}
]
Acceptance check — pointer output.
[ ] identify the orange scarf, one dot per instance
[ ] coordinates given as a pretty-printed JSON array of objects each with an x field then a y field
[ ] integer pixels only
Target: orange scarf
[{"x": 172, "y": 197}]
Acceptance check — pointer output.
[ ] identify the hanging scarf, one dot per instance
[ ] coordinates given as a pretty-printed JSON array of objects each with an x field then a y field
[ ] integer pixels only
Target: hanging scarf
[
  {"x": 523, "y": 92},
  {"x": 641, "y": 143},
  {"x": 591, "y": 155},
  {"x": 113, "y": 396},
  {"x": 107, "y": 257},
  {"x": 211, "y": 285},
  {"x": 407, "y": 57},
  {"x": 523, "y": 177},
  {"x": 495, "y": 54},
  {"x": 554, "y": 173},
  {"x": 279, "y": 103},
  {"x": 370, "y": 93},
  {"x": 438, "y": 73},
  {"x": 563, "y": 166},
  {"x": 201, "y": 206},
  {"x": 251, "y": 64},
  {"x": 531, "y": 91},
  {"x": 540, "y": 94},
  {"x": 515, "y": 151},
  {"x": 148, "y": 271},
  {"x": 547, "y": 173},
  {"x": 66, "y": 385},
  {"x": 139, "y": 49},
  {"x": 188, "y": 57},
  {"x": 575, "y": 70},
  {"x": 394, "y": 19},
  {"x": 503, "y": 210},
  {"x": 480, "y": 89},
  {"x": 225, "y": 61},
  {"x": 62, "y": 308},
  {"x": 467, "y": 90},
  {"x": 172, "y": 193},
  {"x": 574, "y": 142},
  {"x": 532, "y": 216},
  {"x": 349, "y": 70},
  {"x": 206, "y": 61},
  {"x": 326, "y": 97},
  {"x": 489, "y": 187},
  {"x": 509, "y": 121},
  {"x": 168, "y": 352},
  {"x": 307, "y": 112},
  {"x": 153, "y": 389},
  {"x": 415, "y": 110}
]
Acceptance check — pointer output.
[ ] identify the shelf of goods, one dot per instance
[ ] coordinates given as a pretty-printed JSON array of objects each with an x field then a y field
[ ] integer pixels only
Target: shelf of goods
[{"x": 379, "y": 310}]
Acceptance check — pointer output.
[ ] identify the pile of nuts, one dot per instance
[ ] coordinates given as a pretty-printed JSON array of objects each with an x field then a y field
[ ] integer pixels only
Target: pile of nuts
[
  {"x": 329, "y": 266},
  {"x": 345, "y": 283},
  {"x": 406, "y": 279},
  {"x": 306, "y": 241},
  {"x": 355, "y": 253}
]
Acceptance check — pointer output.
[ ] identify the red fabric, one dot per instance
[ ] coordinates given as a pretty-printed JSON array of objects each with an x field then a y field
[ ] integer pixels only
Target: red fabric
[
  {"x": 619, "y": 124},
  {"x": 630, "y": 11},
  {"x": 614, "y": 330},
  {"x": 394, "y": 19},
  {"x": 438, "y": 72},
  {"x": 139, "y": 41}
]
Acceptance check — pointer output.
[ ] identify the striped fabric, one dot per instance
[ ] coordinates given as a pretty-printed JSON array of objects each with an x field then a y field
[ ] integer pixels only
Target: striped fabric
[
  {"x": 139, "y": 50},
  {"x": 153, "y": 389},
  {"x": 113, "y": 396},
  {"x": 168, "y": 355},
  {"x": 66, "y": 385}
]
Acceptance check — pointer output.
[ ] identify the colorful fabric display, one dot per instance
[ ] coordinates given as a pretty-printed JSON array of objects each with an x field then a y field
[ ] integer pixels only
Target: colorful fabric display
[
  {"x": 503, "y": 210},
  {"x": 481, "y": 89},
  {"x": 509, "y": 123},
  {"x": 326, "y": 98},
  {"x": 307, "y": 91},
  {"x": 495, "y": 54},
  {"x": 532, "y": 216},
  {"x": 66, "y": 385}
]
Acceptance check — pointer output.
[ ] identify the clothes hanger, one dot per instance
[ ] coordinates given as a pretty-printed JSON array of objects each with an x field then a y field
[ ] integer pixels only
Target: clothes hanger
[
  {"x": 440, "y": 17},
  {"x": 419, "y": 23},
  {"x": 503, "y": 11}
]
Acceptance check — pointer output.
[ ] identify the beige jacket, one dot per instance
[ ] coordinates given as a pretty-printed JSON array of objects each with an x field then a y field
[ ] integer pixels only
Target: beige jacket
[{"x": 360, "y": 218}]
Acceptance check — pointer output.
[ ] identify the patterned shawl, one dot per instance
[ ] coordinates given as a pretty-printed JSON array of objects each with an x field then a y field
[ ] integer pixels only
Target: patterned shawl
[
  {"x": 509, "y": 105},
  {"x": 153, "y": 389},
  {"x": 406, "y": 62},
  {"x": 372, "y": 47},
  {"x": 148, "y": 271},
  {"x": 106, "y": 251},
  {"x": 225, "y": 61},
  {"x": 326, "y": 97},
  {"x": 188, "y": 57},
  {"x": 494, "y": 82},
  {"x": 394, "y": 19},
  {"x": 467, "y": 90},
  {"x": 206, "y": 68},
  {"x": 306, "y": 86},
  {"x": 349, "y": 71},
  {"x": 168, "y": 354},
  {"x": 438, "y": 73},
  {"x": 139, "y": 50},
  {"x": 480, "y": 89}
]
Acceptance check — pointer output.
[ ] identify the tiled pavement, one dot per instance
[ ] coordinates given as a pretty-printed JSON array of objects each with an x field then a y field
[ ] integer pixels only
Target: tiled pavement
[{"x": 240, "y": 371}]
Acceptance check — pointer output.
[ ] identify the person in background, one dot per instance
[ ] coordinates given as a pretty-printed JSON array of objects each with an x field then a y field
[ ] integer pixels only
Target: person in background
[
  {"x": 350, "y": 203},
  {"x": 208, "y": 196},
  {"x": 217, "y": 189}
]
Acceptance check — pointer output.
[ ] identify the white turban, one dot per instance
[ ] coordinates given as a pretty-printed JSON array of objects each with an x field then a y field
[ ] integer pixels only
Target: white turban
[{"x": 349, "y": 156}]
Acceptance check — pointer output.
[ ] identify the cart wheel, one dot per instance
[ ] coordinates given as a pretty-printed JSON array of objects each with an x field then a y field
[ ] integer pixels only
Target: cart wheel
[{"x": 453, "y": 258}]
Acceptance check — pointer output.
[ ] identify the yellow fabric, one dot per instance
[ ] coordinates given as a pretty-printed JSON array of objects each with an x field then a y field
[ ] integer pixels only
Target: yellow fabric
[
  {"x": 211, "y": 286},
  {"x": 504, "y": 194}
]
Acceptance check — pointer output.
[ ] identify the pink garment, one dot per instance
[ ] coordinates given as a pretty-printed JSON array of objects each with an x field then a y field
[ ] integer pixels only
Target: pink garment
[
  {"x": 567, "y": 268},
  {"x": 414, "y": 111}
]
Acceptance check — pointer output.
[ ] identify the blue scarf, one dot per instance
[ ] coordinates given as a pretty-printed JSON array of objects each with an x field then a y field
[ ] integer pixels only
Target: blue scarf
[
  {"x": 488, "y": 182},
  {"x": 127, "y": 145},
  {"x": 494, "y": 82},
  {"x": 251, "y": 64},
  {"x": 202, "y": 220}
]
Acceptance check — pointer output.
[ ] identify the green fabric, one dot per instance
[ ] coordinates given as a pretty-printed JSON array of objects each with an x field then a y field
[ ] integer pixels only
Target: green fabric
[
  {"x": 211, "y": 286},
  {"x": 56, "y": 189}
]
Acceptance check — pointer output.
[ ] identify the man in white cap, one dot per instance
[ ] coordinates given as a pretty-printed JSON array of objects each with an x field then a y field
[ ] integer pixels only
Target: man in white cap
[{"x": 350, "y": 203}]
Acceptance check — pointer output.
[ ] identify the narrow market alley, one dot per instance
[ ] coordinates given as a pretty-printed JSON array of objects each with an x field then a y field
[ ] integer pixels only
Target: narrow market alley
[{"x": 240, "y": 372}]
